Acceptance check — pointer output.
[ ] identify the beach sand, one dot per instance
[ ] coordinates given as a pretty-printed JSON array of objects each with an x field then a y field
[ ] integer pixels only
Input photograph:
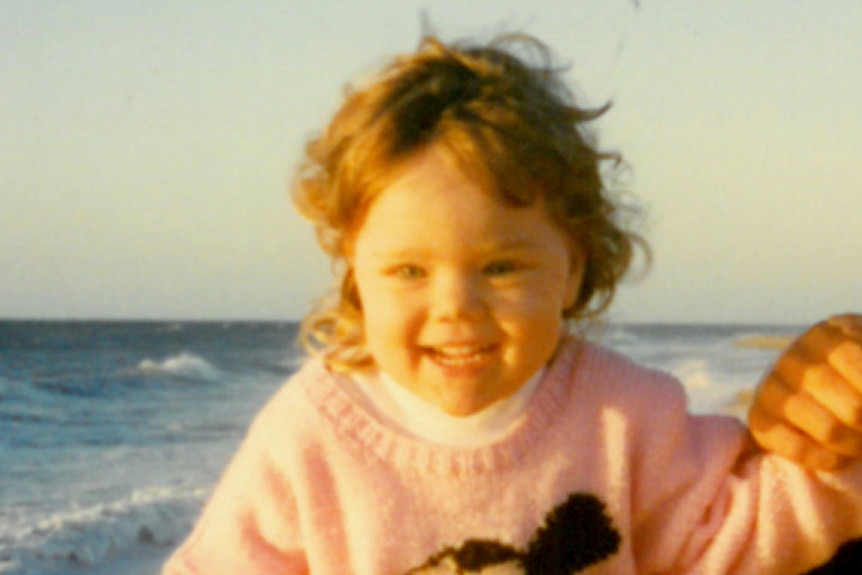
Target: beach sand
[{"x": 776, "y": 342}]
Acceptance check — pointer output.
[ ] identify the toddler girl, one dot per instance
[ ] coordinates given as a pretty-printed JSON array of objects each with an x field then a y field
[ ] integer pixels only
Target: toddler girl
[{"x": 450, "y": 422}]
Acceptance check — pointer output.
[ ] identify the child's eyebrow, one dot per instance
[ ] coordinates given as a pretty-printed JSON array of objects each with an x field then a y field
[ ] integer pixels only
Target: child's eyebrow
[
  {"x": 510, "y": 245},
  {"x": 401, "y": 253},
  {"x": 513, "y": 245}
]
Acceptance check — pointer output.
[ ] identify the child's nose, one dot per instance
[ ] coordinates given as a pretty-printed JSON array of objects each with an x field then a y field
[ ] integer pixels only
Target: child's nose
[{"x": 457, "y": 297}]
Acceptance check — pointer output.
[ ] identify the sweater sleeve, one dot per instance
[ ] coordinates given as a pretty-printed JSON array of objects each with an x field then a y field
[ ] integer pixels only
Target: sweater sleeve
[
  {"x": 706, "y": 501},
  {"x": 250, "y": 524}
]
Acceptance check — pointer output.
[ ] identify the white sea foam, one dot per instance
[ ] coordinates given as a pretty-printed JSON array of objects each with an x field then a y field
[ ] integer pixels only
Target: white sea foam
[
  {"x": 694, "y": 374},
  {"x": 184, "y": 365},
  {"x": 155, "y": 518},
  {"x": 614, "y": 335}
]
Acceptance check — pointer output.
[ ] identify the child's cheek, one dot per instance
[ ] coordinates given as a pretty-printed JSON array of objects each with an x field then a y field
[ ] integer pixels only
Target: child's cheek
[
  {"x": 391, "y": 318},
  {"x": 534, "y": 303}
]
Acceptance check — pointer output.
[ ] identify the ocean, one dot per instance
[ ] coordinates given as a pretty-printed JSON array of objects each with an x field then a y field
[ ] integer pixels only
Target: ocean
[{"x": 112, "y": 435}]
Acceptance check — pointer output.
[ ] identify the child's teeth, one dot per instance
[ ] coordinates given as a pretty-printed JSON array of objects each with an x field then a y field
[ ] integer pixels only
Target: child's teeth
[
  {"x": 459, "y": 355},
  {"x": 459, "y": 350}
]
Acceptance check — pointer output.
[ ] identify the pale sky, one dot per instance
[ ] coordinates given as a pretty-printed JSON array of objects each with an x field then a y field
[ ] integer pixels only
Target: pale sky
[{"x": 146, "y": 147}]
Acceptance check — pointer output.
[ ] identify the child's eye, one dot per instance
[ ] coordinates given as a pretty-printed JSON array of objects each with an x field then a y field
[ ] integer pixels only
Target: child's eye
[
  {"x": 500, "y": 268},
  {"x": 409, "y": 272}
]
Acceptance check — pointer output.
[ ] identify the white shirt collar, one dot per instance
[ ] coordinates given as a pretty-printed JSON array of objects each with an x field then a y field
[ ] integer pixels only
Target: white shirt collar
[{"x": 399, "y": 408}]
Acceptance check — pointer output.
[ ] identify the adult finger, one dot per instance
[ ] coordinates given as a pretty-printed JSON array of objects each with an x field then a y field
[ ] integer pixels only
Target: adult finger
[
  {"x": 777, "y": 437},
  {"x": 801, "y": 410},
  {"x": 825, "y": 382}
]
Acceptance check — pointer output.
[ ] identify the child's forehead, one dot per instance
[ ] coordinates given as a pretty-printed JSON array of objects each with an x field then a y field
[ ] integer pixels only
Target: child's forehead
[
  {"x": 432, "y": 201},
  {"x": 436, "y": 168},
  {"x": 440, "y": 161}
]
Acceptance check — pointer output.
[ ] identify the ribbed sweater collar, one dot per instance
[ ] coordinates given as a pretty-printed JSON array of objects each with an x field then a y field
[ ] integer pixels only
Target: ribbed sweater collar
[{"x": 353, "y": 419}]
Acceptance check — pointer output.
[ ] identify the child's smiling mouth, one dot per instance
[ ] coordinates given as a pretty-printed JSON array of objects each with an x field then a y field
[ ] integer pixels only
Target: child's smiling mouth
[{"x": 460, "y": 356}]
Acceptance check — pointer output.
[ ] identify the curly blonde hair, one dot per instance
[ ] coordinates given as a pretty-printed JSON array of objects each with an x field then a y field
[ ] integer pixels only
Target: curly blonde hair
[{"x": 511, "y": 124}]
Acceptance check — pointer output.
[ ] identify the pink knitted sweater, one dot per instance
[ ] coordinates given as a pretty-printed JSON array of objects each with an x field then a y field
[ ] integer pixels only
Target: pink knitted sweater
[{"x": 605, "y": 472}]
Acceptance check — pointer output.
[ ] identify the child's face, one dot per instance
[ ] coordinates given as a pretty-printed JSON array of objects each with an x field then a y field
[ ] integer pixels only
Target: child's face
[{"x": 462, "y": 295}]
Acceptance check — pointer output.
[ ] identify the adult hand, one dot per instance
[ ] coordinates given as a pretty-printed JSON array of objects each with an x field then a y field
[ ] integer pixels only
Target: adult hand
[{"x": 809, "y": 407}]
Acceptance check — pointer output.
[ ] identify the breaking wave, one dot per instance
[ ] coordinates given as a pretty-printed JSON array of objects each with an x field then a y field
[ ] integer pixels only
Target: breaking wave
[
  {"x": 182, "y": 366},
  {"x": 97, "y": 534}
]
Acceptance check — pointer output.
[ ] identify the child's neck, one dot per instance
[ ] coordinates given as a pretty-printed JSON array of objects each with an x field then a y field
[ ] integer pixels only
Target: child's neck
[{"x": 405, "y": 412}]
